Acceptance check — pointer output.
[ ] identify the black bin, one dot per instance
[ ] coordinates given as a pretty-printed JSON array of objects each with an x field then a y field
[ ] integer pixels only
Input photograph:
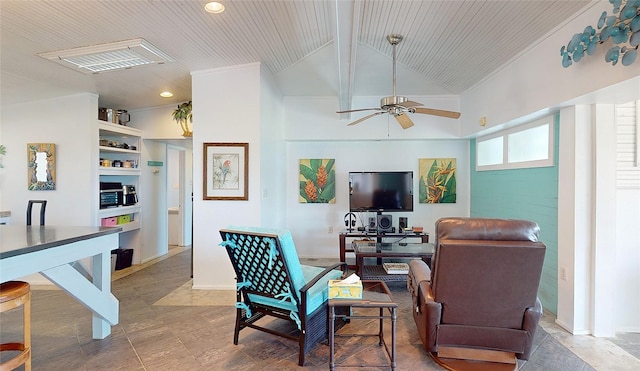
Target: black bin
[{"x": 124, "y": 257}]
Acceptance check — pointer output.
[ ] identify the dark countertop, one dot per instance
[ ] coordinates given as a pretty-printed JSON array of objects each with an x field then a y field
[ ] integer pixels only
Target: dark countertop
[{"x": 20, "y": 239}]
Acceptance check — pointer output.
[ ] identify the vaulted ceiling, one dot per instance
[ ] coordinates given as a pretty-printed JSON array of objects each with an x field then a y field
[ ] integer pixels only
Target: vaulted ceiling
[{"x": 313, "y": 47}]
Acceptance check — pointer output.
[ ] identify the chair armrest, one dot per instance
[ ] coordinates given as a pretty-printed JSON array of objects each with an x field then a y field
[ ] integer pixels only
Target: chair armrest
[
  {"x": 530, "y": 322},
  {"x": 418, "y": 271},
  {"x": 310, "y": 284},
  {"x": 432, "y": 312}
]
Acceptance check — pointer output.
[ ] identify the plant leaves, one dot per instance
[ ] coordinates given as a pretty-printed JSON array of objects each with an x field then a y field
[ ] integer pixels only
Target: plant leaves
[
  {"x": 308, "y": 173},
  {"x": 329, "y": 193},
  {"x": 422, "y": 190},
  {"x": 449, "y": 196},
  {"x": 330, "y": 165},
  {"x": 331, "y": 178},
  {"x": 315, "y": 164}
]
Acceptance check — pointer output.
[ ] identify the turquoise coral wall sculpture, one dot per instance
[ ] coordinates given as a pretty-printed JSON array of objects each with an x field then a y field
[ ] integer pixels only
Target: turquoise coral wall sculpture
[{"x": 622, "y": 27}]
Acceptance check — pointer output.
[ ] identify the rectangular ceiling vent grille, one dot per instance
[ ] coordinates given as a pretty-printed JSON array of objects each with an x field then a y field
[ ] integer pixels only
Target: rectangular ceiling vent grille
[{"x": 109, "y": 57}]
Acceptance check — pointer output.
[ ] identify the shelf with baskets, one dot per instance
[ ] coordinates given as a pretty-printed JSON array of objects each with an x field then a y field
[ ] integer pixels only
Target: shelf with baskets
[
  {"x": 119, "y": 160},
  {"x": 120, "y": 210},
  {"x": 126, "y": 217}
]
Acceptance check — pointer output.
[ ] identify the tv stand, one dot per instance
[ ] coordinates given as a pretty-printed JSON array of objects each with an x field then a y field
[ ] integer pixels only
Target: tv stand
[{"x": 424, "y": 238}]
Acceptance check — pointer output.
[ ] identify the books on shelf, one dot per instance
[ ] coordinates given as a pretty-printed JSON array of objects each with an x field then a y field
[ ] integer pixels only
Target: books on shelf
[{"x": 396, "y": 268}]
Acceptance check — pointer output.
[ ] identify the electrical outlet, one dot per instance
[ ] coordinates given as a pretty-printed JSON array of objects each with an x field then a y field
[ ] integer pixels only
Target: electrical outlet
[
  {"x": 330, "y": 230},
  {"x": 563, "y": 273}
]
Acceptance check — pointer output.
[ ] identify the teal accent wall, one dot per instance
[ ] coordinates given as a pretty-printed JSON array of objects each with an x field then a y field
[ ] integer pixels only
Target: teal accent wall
[{"x": 530, "y": 194}]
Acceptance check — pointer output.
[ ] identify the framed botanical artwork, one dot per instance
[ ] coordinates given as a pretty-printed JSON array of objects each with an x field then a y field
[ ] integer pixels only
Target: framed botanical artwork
[
  {"x": 437, "y": 180},
  {"x": 317, "y": 181},
  {"x": 226, "y": 171}
]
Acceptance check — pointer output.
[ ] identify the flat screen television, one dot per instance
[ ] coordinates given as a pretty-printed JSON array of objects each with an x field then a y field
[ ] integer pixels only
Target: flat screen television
[{"x": 380, "y": 191}]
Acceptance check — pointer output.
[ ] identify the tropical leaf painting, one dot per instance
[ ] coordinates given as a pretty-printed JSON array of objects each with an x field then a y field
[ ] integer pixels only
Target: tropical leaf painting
[
  {"x": 317, "y": 181},
  {"x": 437, "y": 180}
]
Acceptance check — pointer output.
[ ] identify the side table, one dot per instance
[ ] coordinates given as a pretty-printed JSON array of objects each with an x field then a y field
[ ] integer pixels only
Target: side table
[{"x": 375, "y": 294}]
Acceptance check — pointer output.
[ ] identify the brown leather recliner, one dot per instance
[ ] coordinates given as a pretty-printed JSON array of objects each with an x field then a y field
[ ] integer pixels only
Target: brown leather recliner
[{"x": 482, "y": 290}]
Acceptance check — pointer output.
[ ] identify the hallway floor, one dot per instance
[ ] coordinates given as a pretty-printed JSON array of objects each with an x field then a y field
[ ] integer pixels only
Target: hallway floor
[{"x": 164, "y": 325}]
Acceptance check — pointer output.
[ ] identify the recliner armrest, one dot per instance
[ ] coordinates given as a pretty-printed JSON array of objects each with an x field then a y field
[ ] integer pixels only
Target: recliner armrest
[
  {"x": 433, "y": 312},
  {"x": 530, "y": 324},
  {"x": 418, "y": 272},
  {"x": 427, "y": 315}
]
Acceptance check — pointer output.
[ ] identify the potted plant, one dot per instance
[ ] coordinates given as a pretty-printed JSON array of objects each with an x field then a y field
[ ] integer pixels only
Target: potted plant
[{"x": 182, "y": 115}]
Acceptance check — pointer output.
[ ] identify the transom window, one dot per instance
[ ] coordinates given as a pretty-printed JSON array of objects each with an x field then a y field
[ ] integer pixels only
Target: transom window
[{"x": 529, "y": 145}]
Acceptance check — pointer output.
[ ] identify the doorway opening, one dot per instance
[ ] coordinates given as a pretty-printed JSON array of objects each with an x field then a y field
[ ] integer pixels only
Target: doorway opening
[{"x": 179, "y": 196}]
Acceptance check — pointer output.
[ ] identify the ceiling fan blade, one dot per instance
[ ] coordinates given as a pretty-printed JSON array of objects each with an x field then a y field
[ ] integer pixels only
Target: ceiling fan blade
[
  {"x": 364, "y": 118},
  {"x": 358, "y": 110},
  {"x": 404, "y": 121},
  {"x": 409, "y": 104},
  {"x": 438, "y": 112}
]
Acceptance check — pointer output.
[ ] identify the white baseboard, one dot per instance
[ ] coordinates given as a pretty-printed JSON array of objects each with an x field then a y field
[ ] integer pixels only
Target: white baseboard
[
  {"x": 214, "y": 287},
  {"x": 574, "y": 331}
]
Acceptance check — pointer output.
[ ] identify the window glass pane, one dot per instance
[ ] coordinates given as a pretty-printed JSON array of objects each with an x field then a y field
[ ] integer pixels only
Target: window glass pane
[
  {"x": 529, "y": 145},
  {"x": 490, "y": 152}
]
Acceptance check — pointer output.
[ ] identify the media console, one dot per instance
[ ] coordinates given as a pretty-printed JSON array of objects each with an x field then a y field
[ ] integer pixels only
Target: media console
[{"x": 379, "y": 236}]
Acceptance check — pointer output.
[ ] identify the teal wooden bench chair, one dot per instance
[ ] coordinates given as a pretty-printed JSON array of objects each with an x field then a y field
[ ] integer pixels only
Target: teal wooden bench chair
[{"x": 272, "y": 282}]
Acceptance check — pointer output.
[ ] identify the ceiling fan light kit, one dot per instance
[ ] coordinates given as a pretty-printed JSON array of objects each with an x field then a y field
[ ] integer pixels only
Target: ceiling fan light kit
[{"x": 399, "y": 106}]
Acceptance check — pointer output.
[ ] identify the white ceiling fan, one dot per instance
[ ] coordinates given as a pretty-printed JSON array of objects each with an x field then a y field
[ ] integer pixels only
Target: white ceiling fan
[{"x": 399, "y": 106}]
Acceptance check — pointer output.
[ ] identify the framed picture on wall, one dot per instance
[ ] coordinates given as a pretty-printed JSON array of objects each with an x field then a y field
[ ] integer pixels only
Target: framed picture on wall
[
  {"x": 437, "y": 183},
  {"x": 226, "y": 171},
  {"x": 317, "y": 181},
  {"x": 41, "y": 166}
]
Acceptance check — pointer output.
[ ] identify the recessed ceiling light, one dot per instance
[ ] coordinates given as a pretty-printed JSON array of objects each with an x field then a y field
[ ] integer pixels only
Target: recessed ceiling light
[
  {"x": 166, "y": 94},
  {"x": 214, "y": 7},
  {"x": 108, "y": 57}
]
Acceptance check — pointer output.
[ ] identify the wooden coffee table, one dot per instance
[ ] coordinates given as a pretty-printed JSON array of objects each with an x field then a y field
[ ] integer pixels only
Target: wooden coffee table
[{"x": 375, "y": 294}]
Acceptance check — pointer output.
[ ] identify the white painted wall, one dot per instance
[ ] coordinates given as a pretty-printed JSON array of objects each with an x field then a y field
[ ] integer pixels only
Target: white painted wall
[
  {"x": 311, "y": 224},
  {"x": 154, "y": 217},
  {"x": 315, "y": 118},
  {"x": 226, "y": 108},
  {"x": 598, "y": 232},
  {"x": 574, "y": 204},
  {"x": 314, "y": 130},
  {"x": 604, "y": 223},
  {"x": 173, "y": 178},
  {"x": 627, "y": 272},
  {"x": 71, "y": 124},
  {"x": 536, "y": 82},
  {"x": 157, "y": 122},
  {"x": 273, "y": 175}
]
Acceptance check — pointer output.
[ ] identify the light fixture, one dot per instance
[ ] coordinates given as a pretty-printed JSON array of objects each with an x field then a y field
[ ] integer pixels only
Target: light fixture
[
  {"x": 166, "y": 94},
  {"x": 214, "y": 7},
  {"x": 622, "y": 27},
  {"x": 110, "y": 56}
]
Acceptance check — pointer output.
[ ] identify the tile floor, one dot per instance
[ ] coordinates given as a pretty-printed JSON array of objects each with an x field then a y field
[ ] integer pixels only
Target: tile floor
[{"x": 164, "y": 325}]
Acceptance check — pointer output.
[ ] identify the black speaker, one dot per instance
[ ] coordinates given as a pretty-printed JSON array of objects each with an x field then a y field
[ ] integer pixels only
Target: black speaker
[
  {"x": 403, "y": 222},
  {"x": 372, "y": 224},
  {"x": 385, "y": 223}
]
